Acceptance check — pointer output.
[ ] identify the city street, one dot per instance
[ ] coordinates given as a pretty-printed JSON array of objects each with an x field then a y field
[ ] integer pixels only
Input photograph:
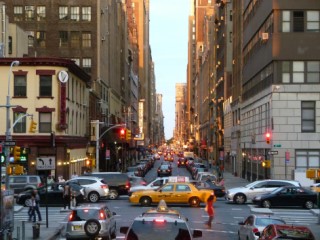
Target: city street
[{"x": 225, "y": 224}]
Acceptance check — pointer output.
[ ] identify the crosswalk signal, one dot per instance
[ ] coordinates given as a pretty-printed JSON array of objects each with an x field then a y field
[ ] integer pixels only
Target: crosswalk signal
[
  {"x": 33, "y": 126},
  {"x": 16, "y": 153},
  {"x": 268, "y": 137}
]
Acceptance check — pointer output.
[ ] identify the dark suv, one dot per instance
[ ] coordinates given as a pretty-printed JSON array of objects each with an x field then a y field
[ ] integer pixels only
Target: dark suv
[{"x": 119, "y": 183}]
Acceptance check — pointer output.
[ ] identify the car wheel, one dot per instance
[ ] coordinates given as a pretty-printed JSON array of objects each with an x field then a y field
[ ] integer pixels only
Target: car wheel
[
  {"x": 92, "y": 227},
  {"x": 308, "y": 205},
  {"x": 194, "y": 202},
  {"x": 93, "y": 197},
  {"x": 239, "y": 198},
  {"x": 113, "y": 194},
  {"x": 266, "y": 204},
  {"x": 145, "y": 201},
  {"x": 28, "y": 202}
]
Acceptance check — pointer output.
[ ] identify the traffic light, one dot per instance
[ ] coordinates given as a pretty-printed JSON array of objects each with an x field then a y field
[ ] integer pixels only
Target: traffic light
[
  {"x": 128, "y": 135},
  {"x": 33, "y": 126},
  {"x": 16, "y": 153},
  {"x": 268, "y": 137},
  {"x": 122, "y": 133},
  {"x": 266, "y": 163}
]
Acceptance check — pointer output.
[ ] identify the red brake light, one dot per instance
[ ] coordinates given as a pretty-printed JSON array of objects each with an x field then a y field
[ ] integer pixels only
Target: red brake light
[
  {"x": 71, "y": 217},
  {"x": 255, "y": 230},
  {"x": 104, "y": 186},
  {"x": 159, "y": 220},
  {"x": 102, "y": 215},
  {"x": 128, "y": 185}
]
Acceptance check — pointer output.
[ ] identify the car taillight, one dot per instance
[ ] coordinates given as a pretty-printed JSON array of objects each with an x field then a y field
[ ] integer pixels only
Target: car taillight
[
  {"x": 71, "y": 217},
  {"x": 255, "y": 230},
  {"x": 104, "y": 186},
  {"x": 159, "y": 220},
  {"x": 102, "y": 215},
  {"x": 128, "y": 185},
  {"x": 40, "y": 185}
]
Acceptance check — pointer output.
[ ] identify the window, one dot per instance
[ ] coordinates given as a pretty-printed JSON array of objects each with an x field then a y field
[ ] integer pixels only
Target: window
[
  {"x": 75, "y": 13},
  {"x": 307, "y": 159},
  {"x": 41, "y": 13},
  {"x": 41, "y": 38},
  {"x": 45, "y": 85},
  {"x": 20, "y": 86},
  {"x": 29, "y": 13},
  {"x": 298, "y": 21},
  {"x": 298, "y": 72},
  {"x": 18, "y": 13},
  {"x": 86, "y": 39},
  {"x": 285, "y": 21},
  {"x": 63, "y": 13},
  {"x": 63, "y": 39},
  {"x": 20, "y": 126},
  {"x": 86, "y": 64},
  {"x": 313, "y": 72},
  {"x": 75, "y": 39},
  {"x": 308, "y": 116},
  {"x": 86, "y": 14},
  {"x": 313, "y": 21},
  {"x": 44, "y": 122},
  {"x": 30, "y": 39}
]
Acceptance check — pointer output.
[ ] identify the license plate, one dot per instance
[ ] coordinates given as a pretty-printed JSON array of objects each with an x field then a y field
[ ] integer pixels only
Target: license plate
[{"x": 77, "y": 227}]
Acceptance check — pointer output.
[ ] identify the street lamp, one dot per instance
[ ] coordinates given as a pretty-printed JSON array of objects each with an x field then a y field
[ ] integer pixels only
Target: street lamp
[{"x": 8, "y": 131}]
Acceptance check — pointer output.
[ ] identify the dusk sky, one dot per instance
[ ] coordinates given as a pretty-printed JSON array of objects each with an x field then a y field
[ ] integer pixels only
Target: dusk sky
[{"x": 169, "y": 42}]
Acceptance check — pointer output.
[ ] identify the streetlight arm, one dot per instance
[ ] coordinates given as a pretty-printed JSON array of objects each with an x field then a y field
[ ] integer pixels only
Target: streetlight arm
[{"x": 22, "y": 116}]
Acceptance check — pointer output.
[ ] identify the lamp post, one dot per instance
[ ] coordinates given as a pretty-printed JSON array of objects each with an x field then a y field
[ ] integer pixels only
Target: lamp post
[{"x": 8, "y": 131}]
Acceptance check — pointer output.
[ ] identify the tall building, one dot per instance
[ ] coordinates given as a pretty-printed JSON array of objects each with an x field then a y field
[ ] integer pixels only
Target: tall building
[{"x": 180, "y": 133}]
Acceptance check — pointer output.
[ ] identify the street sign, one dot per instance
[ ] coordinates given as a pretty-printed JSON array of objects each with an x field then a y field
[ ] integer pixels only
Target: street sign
[
  {"x": 273, "y": 152},
  {"x": 9, "y": 143},
  {"x": 277, "y": 145},
  {"x": 46, "y": 163}
]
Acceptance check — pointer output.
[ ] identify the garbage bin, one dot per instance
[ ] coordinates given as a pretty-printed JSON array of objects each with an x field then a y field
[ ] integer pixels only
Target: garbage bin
[{"x": 36, "y": 230}]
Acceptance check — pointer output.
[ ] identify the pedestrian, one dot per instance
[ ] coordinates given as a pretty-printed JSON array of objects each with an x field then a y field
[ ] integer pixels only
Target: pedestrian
[
  {"x": 221, "y": 182},
  {"x": 210, "y": 210},
  {"x": 66, "y": 196},
  {"x": 50, "y": 180},
  {"x": 61, "y": 179},
  {"x": 31, "y": 211},
  {"x": 37, "y": 206},
  {"x": 74, "y": 175}
]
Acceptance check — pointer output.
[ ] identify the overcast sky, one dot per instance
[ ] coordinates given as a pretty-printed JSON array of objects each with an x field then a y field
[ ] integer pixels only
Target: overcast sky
[{"x": 169, "y": 41}]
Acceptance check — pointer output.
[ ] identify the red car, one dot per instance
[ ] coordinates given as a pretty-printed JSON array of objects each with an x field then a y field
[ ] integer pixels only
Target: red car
[{"x": 278, "y": 231}]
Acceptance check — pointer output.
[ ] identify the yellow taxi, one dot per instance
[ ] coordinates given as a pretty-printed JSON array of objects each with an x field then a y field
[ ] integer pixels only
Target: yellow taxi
[
  {"x": 315, "y": 187},
  {"x": 177, "y": 190}
]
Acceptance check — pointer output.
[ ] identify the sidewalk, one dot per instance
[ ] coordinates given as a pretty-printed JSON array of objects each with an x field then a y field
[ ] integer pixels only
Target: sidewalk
[{"x": 23, "y": 230}]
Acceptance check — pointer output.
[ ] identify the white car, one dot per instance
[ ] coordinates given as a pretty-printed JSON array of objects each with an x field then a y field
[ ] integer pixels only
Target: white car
[
  {"x": 256, "y": 223},
  {"x": 155, "y": 184},
  {"x": 241, "y": 195},
  {"x": 203, "y": 176},
  {"x": 95, "y": 188}
]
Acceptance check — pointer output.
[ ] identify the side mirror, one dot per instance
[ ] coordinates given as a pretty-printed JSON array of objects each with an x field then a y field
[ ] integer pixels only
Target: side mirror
[{"x": 124, "y": 230}]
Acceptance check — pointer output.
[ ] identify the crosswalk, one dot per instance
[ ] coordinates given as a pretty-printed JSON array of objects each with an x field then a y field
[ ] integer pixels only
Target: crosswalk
[
  {"x": 54, "y": 215},
  {"x": 296, "y": 217}
]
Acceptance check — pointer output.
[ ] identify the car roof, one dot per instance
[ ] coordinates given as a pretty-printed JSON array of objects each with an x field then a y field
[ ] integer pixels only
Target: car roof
[
  {"x": 91, "y": 206},
  {"x": 85, "y": 177}
]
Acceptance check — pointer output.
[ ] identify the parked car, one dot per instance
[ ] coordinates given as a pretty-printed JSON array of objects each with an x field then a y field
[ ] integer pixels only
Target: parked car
[
  {"x": 20, "y": 183},
  {"x": 241, "y": 195},
  {"x": 219, "y": 191},
  {"x": 280, "y": 231},
  {"x": 256, "y": 223},
  {"x": 164, "y": 170},
  {"x": 315, "y": 187},
  {"x": 155, "y": 184},
  {"x": 90, "y": 221},
  {"x": 119, "y": 183},
  {"x": 287, "y": 196},
  {"x": 96, "y": 188}
]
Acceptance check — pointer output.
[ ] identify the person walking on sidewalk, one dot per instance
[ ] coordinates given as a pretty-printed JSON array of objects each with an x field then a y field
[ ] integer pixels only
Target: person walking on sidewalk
[{"x": 210, "y": 210}]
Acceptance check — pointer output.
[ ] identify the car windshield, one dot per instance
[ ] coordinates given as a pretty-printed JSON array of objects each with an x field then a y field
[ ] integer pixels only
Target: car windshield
[
  {"x": 267, "y": 221},
  {"x": 250, "y": 185},
  {"x": 85, "y": 214},
  {"x": 155, "y": 230}
]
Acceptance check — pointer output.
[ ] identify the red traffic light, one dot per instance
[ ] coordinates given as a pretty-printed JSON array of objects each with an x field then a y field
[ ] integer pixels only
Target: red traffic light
[
  {"x": 122, "y": 133},
  {"x": 268, "y": 137}
]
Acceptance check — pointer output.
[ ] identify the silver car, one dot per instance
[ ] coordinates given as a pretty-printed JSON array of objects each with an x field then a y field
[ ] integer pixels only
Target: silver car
[
  {"x": 90, "y": 221},
  {"x": 155, "y": 184},
  {"x": 241, "y": 195},
  {"x": 95, "y": 188},
  {"x": 256, "y": 223}
]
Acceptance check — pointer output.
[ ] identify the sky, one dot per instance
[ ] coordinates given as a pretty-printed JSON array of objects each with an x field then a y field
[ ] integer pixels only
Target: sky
[{"x": 169, "y": 48}]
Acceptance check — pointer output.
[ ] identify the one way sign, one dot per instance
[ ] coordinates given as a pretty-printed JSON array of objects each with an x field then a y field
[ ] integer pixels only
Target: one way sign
[{"x": 46, "y": 163}]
